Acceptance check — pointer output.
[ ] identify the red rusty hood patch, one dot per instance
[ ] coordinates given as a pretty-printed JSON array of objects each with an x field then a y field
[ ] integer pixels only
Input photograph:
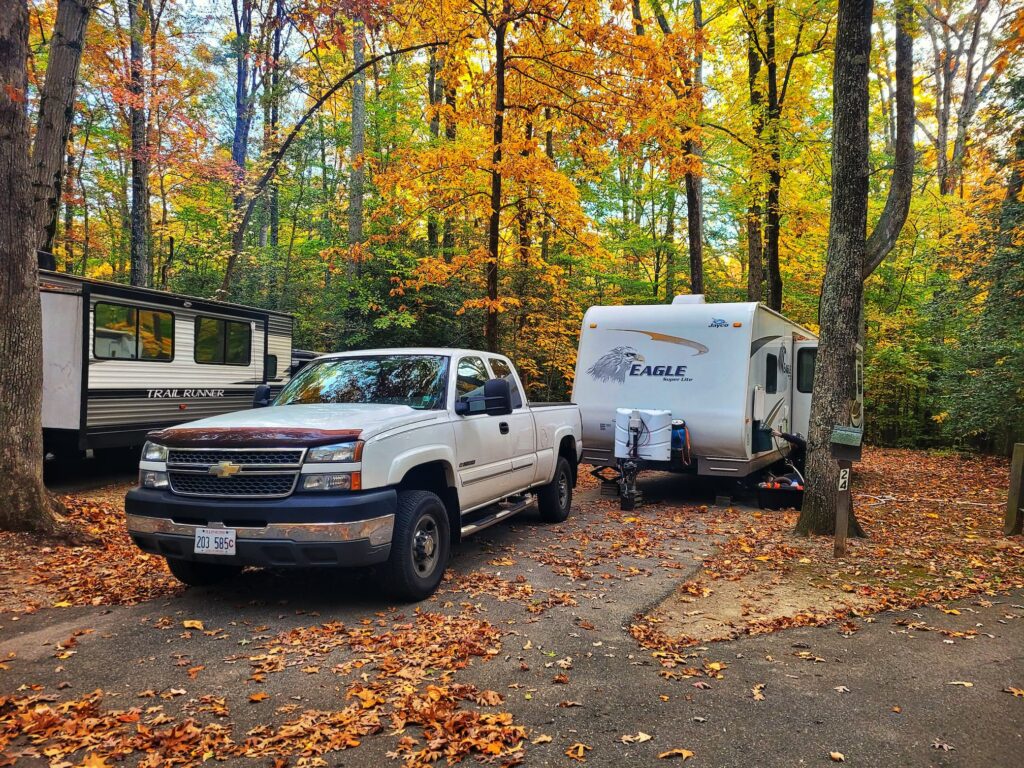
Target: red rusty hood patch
[{"x": 250, "y": 437}]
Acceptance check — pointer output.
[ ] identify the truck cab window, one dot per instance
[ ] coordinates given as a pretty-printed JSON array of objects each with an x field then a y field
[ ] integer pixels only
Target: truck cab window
[
  {"x": 222, "y": 342},
  {"x": 502, "y": 370},
  {"x": 805, "y": 360},
  {"x": 121, "y": 332},
  {"x": 471, "y": 376},
  {"x": 771, "y": 374}
]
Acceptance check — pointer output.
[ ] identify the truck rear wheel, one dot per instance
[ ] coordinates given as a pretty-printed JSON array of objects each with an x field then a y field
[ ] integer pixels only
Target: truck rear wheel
[
  {"x": 554, "y": 500},
  {"x": 201, "y": 574},
  {"x": 419, "y": 547}
]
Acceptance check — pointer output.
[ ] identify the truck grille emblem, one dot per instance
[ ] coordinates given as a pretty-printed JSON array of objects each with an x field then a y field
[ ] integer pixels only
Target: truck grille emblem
[{"x": 225, "y": 469}]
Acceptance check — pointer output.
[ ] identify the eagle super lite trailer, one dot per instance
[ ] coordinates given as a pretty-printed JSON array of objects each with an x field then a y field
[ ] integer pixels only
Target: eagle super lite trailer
[
  {"x": 692, "y": 387},
  {"x": 119, "y": 361}
]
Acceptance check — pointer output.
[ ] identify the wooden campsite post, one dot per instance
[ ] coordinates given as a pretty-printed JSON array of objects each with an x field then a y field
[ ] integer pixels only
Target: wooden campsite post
[
  {"x": 1015, "y": 500},
  {"x": 846, "y": 448}
]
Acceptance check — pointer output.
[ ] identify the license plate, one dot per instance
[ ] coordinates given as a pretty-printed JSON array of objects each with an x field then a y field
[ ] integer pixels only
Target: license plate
[{"x": 215, "y": 541}]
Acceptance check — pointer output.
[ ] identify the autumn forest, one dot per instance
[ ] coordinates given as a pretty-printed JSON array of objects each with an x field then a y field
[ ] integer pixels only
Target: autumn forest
[{"x": 479, "y": 172}]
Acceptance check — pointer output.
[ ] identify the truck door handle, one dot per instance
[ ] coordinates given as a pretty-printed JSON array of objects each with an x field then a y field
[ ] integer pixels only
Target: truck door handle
[{"x": 503, "y": 427}]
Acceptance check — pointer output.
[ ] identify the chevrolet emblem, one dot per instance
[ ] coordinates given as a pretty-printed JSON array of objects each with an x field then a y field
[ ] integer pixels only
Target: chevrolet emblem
[{"x": 225, "y": 469}]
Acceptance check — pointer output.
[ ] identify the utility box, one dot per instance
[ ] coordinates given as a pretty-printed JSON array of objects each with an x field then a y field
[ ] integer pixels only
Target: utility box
[{"x": 846, "y": 443}]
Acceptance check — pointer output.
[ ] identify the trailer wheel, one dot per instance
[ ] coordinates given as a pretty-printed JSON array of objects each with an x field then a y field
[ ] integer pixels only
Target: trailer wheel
[
  {"x": 201, "y": 574},
  {"x": 554, "y": 500},
  {"x": 420, "y": 546}
]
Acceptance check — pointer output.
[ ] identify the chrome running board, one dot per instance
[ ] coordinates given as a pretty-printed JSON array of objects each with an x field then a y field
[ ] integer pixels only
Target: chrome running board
[{"x": 503, "y": 511}]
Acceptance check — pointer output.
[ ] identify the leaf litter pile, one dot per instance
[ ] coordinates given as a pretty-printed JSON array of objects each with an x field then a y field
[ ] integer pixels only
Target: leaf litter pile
[{"x": 934, "y": 524}]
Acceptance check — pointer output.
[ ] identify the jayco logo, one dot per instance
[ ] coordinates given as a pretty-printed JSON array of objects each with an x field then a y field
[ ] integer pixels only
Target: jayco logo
[{"x": 718, "y": 323}]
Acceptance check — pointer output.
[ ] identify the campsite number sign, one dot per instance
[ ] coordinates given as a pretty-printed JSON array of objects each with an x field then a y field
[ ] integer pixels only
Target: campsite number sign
[{"x": 844, "y": 479}]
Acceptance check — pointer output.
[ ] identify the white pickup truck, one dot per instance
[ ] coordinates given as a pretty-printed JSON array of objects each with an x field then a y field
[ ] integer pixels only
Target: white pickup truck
[{"x": 378, "y": 457}]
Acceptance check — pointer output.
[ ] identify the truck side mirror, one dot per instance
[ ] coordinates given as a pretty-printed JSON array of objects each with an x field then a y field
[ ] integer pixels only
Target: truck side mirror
[
  {"x": 496, "y": 400},
  {"x": 261, "y": 398}
]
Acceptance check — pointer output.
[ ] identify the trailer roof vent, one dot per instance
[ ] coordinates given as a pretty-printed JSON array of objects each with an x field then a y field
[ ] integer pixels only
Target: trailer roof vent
[{"x": 689, "y": 298}]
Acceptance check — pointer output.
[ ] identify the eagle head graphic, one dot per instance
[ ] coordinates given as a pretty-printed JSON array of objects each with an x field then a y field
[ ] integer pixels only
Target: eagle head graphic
[{"x": 613, "y": 365}]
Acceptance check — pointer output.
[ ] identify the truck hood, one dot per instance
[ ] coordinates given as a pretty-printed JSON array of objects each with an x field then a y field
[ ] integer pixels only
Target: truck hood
[{"x": 281, "y": 425}]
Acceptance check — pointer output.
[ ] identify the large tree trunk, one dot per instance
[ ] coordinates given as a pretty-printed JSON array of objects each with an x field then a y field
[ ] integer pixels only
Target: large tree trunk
[
  {"x": 24, "y": 503},
  {"x": 834, "y": 379},
  {"x": 56, "y": 113},
  {"x": 139, "y": 243},
  {"x": 435, "y": 97},
  {"x": 358, "y": 173},
  {"x": 494, "y": 223}
]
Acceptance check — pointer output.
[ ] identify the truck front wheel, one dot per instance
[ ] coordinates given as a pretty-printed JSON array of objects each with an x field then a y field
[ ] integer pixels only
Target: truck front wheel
[
  {"x": 201, "y": 574},
  {"x": 419, "y": 546},
  {"x": 555, "y": 499}
]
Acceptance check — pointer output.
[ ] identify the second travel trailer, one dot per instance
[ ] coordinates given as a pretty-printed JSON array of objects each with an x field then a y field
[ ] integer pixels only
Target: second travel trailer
[
  {"x": 119, "y": 361},
  {"x": 693, "y": 387}
]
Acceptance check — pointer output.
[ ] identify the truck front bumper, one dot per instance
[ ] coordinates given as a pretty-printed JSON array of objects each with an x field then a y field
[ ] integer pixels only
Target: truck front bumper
[{"x": 302, "y": 530}]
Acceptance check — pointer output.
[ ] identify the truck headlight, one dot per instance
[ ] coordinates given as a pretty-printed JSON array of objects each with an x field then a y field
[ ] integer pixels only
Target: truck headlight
[
  {"x": 334, "y": 481},
  {"x": 338, "y": 452},
  {"x": 154, "y": 452},
  {"x": 149, "y": 478}
]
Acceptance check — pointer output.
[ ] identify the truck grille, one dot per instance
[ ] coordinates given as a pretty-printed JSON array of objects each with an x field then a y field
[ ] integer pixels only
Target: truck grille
[
  {"x": 234, "y": 473},
  {"x": 265, "y": 486},
  {"x": 203, "y": 457}
]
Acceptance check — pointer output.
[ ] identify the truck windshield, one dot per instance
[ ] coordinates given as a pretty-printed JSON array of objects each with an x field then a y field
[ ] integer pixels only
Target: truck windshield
[{"x": 414, "y": 380}]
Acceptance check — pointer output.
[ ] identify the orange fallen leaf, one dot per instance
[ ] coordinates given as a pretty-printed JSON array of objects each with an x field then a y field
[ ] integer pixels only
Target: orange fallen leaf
[
  {"x": 837, "y": 757},
  {"x": 1018, "y": 693},
  {"x": 578, "y": 751},
  {"x": 542, "y": 739},
  {"x": 193, "y": 624},
  {"x": 258, "y": 696},
  {"x": 193, "y": 672}
]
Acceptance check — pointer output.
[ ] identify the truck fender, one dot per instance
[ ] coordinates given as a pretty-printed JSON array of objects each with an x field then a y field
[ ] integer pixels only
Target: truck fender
[{"x": 404, "y": 462}]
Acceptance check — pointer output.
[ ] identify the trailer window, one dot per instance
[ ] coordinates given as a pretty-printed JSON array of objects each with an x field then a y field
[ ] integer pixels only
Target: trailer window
[
  {"x": 270, "y": 366},
  {"x": 771, "y": 374},
  {"x": 222, "y": 342},
  {"x": 502, "y": 370},
  {"x": 805, "y": 360},
  {"x": 122, "y": 332}
]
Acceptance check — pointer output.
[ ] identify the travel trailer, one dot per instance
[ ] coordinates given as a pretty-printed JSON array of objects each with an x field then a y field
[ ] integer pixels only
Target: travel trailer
[
  {"x": 119, "y": 361},
  {"x": 693, "y": 387}
]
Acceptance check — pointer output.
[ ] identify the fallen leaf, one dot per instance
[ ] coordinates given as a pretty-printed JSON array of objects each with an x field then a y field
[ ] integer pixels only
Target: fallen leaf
[
  {"x": 193, "y": 672},
  {"x": 1018, "y": 693},
  {"x": 567, "y": 704},
  {"x": 258, "y": 696},
  {"x": 542, "y": 739},
  {"x": 841, "y": 689},
  {"x": 939, "y": 744},
  {"x": 896, "y": 708},
  {"x": 837, "y": 757},
  {"x": 577, "y": 751},
  {"x": 639, "y": 738},
  {"x": 683, "y": 753},
  {"x": 193, "y": 624},
  {"x": 961, "y": 683},
  {"x": 758, "y": 691}
]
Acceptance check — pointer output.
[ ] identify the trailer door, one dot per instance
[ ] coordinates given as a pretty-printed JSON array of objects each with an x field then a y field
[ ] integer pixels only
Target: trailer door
[{"x": 805, "y": 354}]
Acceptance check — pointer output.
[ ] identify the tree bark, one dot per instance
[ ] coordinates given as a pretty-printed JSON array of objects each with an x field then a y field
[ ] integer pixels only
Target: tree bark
[
  {"x": 56, "y": 114},
  {"x": 835, "y": 394},
  {"x": 494, "y": 223},
  {"x": 24, "y": 502},
  {"x": 897, "y": 202},
  {"x": 358, "y": 173},
  {"x": 139, "y": 242},
  {"x": 435, "y": 96}
]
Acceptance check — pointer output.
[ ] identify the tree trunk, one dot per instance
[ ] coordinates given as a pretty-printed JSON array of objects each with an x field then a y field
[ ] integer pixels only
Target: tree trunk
[
  {"x": 835, "y": 380},
  {"x": 694, "y": 177},
  {"x": 435, "y": 95},
  {"x": 773, "y": 216},
  {"x": 24, "y": 502},
  {"x": 357, "y": 175},
  {"x": 139, "y": 243},
  {"x": 494, "y": 223},
  {"x": 448, "y": 236},
  {"x": 670, "y": 248},
  {"x": 56, "y": 114},
  {"x": 897, "y": 202},
  {"x": 755, "y": 247}
]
